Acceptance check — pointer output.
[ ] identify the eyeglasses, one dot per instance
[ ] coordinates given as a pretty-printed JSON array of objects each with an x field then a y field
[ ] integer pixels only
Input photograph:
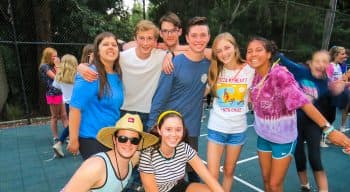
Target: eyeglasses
[
  {"x": 169, "y": 32},
  {"x": 124, "y": 139}
]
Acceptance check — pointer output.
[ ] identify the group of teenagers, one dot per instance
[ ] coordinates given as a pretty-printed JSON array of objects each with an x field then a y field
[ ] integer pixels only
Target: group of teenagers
[{"x": 153, "y": 93}]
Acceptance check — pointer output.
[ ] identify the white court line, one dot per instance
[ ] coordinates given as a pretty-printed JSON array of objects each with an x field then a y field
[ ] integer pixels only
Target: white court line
[{"x": 241, "y": 180}]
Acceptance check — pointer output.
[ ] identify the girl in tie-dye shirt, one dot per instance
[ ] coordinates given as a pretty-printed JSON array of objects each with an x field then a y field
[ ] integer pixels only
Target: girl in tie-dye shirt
[{"x": 276, "y": 96}]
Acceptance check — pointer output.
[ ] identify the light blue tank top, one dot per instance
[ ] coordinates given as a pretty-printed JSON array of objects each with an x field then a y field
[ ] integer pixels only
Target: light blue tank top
[{"x": 112, "y": 183}]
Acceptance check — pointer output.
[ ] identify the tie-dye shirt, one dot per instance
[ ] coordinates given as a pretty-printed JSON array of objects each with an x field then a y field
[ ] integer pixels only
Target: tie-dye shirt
[{"x": 275, "y": 102}]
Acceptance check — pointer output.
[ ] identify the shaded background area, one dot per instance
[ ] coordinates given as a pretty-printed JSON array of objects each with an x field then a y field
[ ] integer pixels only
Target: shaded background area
[{"x": 298, "y": 27}]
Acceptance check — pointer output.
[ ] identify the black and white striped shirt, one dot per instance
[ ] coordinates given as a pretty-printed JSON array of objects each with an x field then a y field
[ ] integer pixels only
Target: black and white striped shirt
[{"x": 167, "y": 171}]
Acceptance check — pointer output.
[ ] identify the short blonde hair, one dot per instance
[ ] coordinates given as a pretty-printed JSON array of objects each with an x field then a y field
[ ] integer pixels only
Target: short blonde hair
[
  {"x": 67, "y": 69},
  {"x": 146, "y": 25}
]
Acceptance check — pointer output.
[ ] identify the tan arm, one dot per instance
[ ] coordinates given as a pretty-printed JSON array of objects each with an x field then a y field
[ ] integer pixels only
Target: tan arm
[
  {"x": 149, "y": 182},
  {"x": 74, "y": 124},
  {"x": 199, "y": 167}
]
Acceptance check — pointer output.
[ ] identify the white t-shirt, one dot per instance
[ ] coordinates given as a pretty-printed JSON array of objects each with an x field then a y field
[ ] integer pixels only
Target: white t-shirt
[
  {"x": 140, "y": 78},
  {"x": 66, "y": 89},
  {"x": 231, "y": 104}
]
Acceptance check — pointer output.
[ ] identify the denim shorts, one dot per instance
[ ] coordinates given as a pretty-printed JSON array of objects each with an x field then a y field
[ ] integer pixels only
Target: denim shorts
[
  {"x": 234, "y": 139},
  {"x": 279, "y": 151}
]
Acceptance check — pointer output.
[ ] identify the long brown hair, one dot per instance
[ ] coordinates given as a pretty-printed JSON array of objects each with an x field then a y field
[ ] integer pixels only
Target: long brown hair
[
  {"x": 86, "y": 54},
  {"x": 104, "y": 85},
  {"x": 216, "y": 65}
]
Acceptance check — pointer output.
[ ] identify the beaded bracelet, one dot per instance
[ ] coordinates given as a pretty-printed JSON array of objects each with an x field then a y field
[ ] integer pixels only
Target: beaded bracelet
[{"x": 328, "y": 131}]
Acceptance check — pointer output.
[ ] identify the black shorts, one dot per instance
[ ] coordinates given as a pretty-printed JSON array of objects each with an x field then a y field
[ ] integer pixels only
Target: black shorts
[{"x": 181, "y": 186}]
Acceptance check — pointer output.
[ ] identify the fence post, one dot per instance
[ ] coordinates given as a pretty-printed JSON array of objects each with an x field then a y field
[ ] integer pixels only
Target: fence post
[
  {"x": 15, "y": 43},
  {"x": 328, "y": 24}
]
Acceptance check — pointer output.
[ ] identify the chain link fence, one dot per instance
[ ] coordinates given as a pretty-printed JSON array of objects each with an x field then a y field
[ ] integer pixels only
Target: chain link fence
[{"x": 27, "y": 27}]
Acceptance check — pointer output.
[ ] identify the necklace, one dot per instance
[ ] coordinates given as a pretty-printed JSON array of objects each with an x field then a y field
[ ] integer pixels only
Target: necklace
[
  {"x": 260, "y": 85},
  {"x": 169, "y": 155},
  {"x": 116, "y": 161}
]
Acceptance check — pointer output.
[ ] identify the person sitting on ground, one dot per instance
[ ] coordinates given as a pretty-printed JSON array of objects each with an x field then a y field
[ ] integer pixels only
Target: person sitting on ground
[{"x": 111, "y": 170}]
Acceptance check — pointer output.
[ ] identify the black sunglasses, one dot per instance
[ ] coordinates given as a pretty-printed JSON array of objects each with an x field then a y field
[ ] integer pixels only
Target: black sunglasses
[{"x": 133, "y": 140}]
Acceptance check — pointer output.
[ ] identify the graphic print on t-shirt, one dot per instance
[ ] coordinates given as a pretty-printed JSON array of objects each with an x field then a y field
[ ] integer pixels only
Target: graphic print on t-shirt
[
  {"x": 231, "y": 96},
  {"x": 310, "y": 89}
]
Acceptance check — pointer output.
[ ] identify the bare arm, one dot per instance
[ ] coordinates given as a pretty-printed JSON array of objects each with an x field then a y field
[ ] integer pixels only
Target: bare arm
[
  {"x": 87, "y": 73},
  {"x": 74, "y": 124},
  {"x": 168, "y": 65},
  {"x": 199, "y": 167},
  {"x": 50, "y": 74},
  {"x": 335, "y": 136},
  {"x": 89, "y": 175},
  {"x": 149, "y": 182}
]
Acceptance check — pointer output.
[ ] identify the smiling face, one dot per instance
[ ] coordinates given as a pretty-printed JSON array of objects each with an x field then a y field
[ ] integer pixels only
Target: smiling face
[
  {"x": 108, "y": 50},
  {"x": 225, "y": 51},
  {"x": 198, "y": 38},
  {"x": 341, "y": 56},
  {"x": 319, "y": 63},
  {"x": 257, "y": 55},
  {"x": 145, "y": 41},
  {"x": 125, "y": 150},
  {"x": 171, "y": 131},
  {"x": 170, "y": 34}
]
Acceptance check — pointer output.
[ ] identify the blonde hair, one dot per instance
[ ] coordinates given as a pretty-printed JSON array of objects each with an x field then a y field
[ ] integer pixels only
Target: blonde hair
[
  {"x": 67, "y": 69},
  {"x": 216, "y": 65},
  {"x": 334, "y": 52},
  {"x": 146, "y": 25},
  {"x": 46, "y": 57}
]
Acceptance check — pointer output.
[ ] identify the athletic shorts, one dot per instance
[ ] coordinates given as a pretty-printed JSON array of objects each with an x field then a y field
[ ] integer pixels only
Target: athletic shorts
[
  {"x": 234, "y": 139},
  {"x": 278, "y": 151},
  {"x": 54, "y": 100},
  {"x": 181, "y": 186}
]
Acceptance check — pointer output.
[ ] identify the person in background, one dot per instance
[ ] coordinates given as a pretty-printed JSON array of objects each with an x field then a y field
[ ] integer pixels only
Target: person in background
[
  {"x": 64, "y": 81},
  {"x": 315, "y": 84},
  {"x": 162, "y": 167},
  {"x": 87, "y": 55},
  {"x": 229, "y": 81},
  {"x": 47, "y": 69},
  {"x": 111, "y": 170},
  {"x": 335, "y": 73},
  {"x": 96, "y": 104},
  {"x": 276, "y": 96}
]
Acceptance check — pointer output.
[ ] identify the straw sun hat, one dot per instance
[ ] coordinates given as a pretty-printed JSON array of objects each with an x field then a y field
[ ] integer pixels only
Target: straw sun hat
[{"x": 129, "y": 122}]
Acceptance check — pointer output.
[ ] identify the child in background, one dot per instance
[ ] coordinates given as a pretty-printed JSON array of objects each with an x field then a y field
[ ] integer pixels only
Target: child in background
[
  {"x": 64, "y": 81},
  {"x": 47, "y": 70}
]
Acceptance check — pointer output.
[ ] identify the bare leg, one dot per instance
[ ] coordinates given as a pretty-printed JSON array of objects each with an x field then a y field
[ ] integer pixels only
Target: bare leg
[
  {"x": 232, "y": 155},
  {"x": 278, "y": 172},
  {"x": 214, "y": 154},
  {"x": 321, "y": 180},
  {"x": 53, "y": 121},
  {"x": 265, "y": 160}
]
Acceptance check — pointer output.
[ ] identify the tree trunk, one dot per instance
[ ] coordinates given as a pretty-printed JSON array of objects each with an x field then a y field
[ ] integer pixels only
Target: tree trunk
[{"x": 42, "y": 19}]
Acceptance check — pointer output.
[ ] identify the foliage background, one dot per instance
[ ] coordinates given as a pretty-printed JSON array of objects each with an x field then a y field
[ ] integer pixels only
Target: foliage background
[{"x": 296, "y": 26}]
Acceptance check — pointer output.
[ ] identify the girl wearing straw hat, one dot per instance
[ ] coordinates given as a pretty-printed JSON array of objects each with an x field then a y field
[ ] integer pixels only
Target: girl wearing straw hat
[
  {"x": 111, "y": 170},
  {"x": 162, "y": 167}
]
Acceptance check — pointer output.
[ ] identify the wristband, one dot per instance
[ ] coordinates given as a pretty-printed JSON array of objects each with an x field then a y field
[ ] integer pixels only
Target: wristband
[{"x": 328, "y": 131}]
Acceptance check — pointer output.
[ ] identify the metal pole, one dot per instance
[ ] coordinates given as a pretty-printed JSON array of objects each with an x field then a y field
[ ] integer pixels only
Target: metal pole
[
  {"x": 284, "y": 25},
  {"x": 328, "y": 24},
  {"x": 144, "y": 9},
  {"x": 10, "y": 11}
]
